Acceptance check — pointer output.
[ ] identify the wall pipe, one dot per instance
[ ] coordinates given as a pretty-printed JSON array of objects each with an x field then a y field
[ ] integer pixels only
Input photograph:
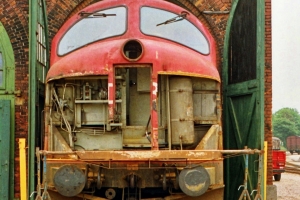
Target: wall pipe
[
  {"x": 169, "y": 114},
  {"x": 265, "y": 170},
  {"x": 33, "y": 5}
]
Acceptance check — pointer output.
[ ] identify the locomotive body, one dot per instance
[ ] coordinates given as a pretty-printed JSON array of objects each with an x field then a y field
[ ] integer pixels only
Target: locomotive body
[{"x": 133, "y": 107}]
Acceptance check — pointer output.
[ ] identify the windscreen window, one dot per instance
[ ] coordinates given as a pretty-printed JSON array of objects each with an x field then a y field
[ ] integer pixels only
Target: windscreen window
[
  {"x": 93, "y": 27},
  {"x": 171, "y": 26}
]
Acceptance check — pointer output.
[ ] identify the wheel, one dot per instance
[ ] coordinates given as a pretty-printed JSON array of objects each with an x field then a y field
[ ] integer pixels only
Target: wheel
[
  {"x": 277, "y": 177},
  {"x": 291, "y": 152}
]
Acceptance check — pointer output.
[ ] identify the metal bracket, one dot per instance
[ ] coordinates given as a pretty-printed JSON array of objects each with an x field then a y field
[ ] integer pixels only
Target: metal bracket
[
  {"x": 258, "y": 194},
  {"x": 245, "y": 193},
  {"x": 17, "y": 93}
]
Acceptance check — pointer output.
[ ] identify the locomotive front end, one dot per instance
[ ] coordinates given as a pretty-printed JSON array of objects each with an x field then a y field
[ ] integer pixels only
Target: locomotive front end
[{"x": 133, "y": 107}]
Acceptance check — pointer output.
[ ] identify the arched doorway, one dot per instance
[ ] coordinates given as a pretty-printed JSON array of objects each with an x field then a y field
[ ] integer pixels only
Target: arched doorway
[
  {"x": 7, "y": 114},
  {"x": 243, "y": 94}
]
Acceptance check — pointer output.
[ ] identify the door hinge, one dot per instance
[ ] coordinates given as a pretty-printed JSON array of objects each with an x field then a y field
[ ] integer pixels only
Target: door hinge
[{"x": 17, "y": 93}]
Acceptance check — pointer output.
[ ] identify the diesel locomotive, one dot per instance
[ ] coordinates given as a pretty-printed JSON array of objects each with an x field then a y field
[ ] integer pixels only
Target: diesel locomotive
[{"x": 132, "y": 106}]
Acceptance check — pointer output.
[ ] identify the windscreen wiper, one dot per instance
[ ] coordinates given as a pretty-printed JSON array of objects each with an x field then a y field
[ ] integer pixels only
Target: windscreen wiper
[
  {"x": 94, "y": 14},
  {"x": 174, "y": 19}
]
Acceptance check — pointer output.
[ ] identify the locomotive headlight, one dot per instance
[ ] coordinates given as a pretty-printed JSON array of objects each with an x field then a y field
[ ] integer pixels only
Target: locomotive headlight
[{"x": 132, "y": 50}]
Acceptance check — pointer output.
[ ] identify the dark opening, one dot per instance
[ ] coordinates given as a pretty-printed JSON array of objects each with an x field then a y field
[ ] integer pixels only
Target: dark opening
[{"x": 132, "y": 50}]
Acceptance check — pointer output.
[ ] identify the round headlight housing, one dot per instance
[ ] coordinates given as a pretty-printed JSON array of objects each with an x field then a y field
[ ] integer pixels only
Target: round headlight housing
[{"x": 132, "y": 50}]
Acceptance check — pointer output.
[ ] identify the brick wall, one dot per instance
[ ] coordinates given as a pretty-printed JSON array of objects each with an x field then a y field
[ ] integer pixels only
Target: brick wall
[{"x": 268, "y": 88}]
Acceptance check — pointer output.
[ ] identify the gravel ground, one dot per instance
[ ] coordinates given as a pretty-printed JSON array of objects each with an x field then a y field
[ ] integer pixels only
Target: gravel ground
[{"x": 288, "y": 186}]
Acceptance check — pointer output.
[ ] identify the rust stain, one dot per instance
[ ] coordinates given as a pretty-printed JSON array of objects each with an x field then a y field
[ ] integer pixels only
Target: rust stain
[
  {"x": 106, "y": 68},
  {"x": 188, "y": 74}
]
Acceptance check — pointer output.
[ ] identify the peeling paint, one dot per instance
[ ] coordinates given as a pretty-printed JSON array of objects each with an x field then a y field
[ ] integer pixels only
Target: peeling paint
[
  {"x": 154, "y": 92},
  {"x": 195, "y": 187},
  {"x": 197, "y": 154},
  {"x": 141, "y": 154}
]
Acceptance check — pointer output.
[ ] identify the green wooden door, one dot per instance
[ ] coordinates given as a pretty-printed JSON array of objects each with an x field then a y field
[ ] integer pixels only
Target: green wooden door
[
  {"x": 4, "y": 146},
  {"x": 243, "y": 90},
  {"x": 39, "y": 64},
  {"x": 7, "y": 116}
]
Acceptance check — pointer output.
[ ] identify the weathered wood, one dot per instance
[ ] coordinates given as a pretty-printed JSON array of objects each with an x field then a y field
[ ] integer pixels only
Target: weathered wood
[{"x": 4, "y": 148}]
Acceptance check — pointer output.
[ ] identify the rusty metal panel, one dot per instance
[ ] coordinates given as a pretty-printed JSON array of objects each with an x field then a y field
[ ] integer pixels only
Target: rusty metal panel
[
  {"x": 143, "y": 79},
  {"x": 210, "y": 140},
  {"x": 139, "y": 102},
  {"x": 181, "y": 110},
  {"x": 205, "y": 93},
  {"x": 134, "y": 136}
]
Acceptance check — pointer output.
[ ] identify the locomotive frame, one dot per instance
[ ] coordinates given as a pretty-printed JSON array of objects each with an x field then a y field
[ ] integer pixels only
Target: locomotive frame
[{"x": 95, "y": 99}]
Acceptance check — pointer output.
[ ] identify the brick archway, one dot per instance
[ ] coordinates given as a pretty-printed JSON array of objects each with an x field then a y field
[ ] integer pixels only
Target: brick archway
[{"x": 14, "y": 18}]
